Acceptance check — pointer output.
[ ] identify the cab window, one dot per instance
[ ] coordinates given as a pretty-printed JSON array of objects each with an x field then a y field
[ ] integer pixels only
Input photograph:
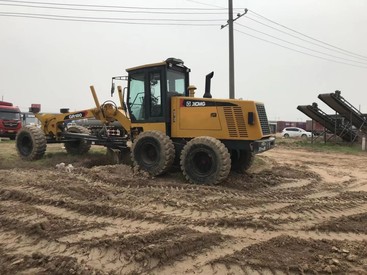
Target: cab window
[
  {"x": 155, "y": 94},
  {"x": 176, "y": 82},
  {"x": 136, "y": 96}
]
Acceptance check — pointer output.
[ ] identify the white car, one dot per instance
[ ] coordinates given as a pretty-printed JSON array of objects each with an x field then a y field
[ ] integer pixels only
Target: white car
[{"x": 295, "y": 132}]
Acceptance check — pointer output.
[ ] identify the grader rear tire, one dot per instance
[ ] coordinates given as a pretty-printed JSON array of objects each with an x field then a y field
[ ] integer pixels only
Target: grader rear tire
[
  {"x": 242, "y": 162},
  {"x": 78, "y": 147},
  {"x": 205, "y": 160},
  {"x": 30, "y": 143},
  {"x": 153, "y": 152}
]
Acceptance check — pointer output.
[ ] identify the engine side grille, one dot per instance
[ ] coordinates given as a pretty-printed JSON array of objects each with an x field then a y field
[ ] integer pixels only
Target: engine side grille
[
  {"x": 235, "y": 122},
  {"x": 263, "y": 119}
]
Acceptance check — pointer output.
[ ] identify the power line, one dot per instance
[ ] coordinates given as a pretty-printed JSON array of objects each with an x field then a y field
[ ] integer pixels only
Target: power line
[
  {"x": 333, "y": 48},
  {"x": 295, "y": 44},
  {"x": 205, "y": 4},
  {"x": 107, "y": 6},
  {"x": 327, "y": 59},
  {"x": 109, "y": 10},
  {"x": 302, "y": 39},
  {"x": 160, "y": 21},
  {"x": 309, "y": 37},
  {"x": 100, "y": 20},
  {"x": 118, "y": 19}
]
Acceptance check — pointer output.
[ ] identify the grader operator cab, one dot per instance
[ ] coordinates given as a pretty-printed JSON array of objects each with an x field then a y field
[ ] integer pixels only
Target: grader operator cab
[{"x": 163, "y": 123}]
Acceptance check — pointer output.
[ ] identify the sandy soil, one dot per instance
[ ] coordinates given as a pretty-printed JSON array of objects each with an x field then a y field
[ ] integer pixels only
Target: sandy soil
[{"x": 297, "y": 212}]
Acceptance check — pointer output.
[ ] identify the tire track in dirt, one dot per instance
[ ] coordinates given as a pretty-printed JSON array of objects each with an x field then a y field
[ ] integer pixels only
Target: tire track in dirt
[
  {"x": 83, "y": 208},
  {"x": 210, "y": 202},
  {"x": 236, "y": 220},
  {"x": 30, "y": 240},
  {"x": 147, "y": 251},
  {"x": 32, "y": 251},
  {"x": 38, "y": 263},
  {"x": 298, "y": 256},
  {"x": 128, "y": 223},
  {"x": 170, "y": 242},
  {"x": 115, "y": 225},
  {"x": 41, "y": 224},
  {"x": 202, "y": 262}
]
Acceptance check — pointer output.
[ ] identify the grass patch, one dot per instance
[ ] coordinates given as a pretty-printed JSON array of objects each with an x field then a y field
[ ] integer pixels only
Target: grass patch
[
  {"x": 320, "y": 146},
  {"x": 55, "y": 154}
]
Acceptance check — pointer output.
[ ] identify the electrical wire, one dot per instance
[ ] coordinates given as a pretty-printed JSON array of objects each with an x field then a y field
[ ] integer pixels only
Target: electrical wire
[
  {"x": 302, "y": 39},
  {"x": 106, "y": 6},
  {"x": 109, "y": 10},
  {"x": 118, "y": 18},
  {"x": 295, "y": 44},
  {"x": 99, "y": 20},
  {"x": 161, "y": 21},
  {"x": 327, "y": 59},
  {"x": 211, "y": 5},
  {"x": 309, "y": 37},
  {"x": 205, "y": 4}
]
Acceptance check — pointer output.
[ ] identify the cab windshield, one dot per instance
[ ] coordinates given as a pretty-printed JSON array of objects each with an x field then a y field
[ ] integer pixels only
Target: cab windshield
[{"x": 6, "y": 115}]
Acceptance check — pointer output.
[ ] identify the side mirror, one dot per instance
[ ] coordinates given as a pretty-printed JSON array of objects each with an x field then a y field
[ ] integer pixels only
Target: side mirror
[{"x": 112, "y": 88}]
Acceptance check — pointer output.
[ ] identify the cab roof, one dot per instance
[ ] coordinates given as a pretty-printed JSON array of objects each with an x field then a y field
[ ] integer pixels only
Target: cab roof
[{"x": 168, "y": 62}]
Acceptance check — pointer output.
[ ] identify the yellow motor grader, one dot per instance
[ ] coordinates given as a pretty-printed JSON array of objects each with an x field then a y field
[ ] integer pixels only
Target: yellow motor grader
[{"x": 163, "y": 122}]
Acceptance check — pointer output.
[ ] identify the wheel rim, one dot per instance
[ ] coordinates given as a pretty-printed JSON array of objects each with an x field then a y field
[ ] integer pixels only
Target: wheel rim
[
  {"x": 203, "y": 161},
  {"x": 149, "y": 153},
  {"x": 25, "y": 145}
]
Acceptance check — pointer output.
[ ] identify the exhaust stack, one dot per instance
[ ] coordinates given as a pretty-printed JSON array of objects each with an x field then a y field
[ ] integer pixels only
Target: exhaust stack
[{"x": 207, "y": 85}]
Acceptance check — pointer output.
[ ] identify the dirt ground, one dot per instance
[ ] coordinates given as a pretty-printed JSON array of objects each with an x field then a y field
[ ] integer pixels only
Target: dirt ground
[{"x": 295, "y": 212}]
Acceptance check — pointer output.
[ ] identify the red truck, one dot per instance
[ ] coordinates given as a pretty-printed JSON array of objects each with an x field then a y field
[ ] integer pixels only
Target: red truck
[{"x": 10, "y": 120}]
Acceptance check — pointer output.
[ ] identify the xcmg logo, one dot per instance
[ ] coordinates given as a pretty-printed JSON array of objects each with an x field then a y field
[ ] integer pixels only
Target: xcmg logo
[
  {"x": 205, "y": 103},
  {"x": 191, "y": 103}
]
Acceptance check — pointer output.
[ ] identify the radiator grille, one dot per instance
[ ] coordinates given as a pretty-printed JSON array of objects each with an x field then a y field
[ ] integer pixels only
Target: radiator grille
[
  {"x": 10, "y": 124},
  {"x": 263, "y": 119},
  {"x": 235, "y": 122}
]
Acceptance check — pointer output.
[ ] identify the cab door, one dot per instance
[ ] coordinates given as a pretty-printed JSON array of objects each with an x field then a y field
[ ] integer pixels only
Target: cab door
[{"x": 146, "y": 99}]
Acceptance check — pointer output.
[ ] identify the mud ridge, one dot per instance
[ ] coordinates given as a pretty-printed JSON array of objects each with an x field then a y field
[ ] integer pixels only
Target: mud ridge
[
  {"x": 38, "y": 263},
  {"x": 296, "y": 255},
  {"x": 86, "y": 209},
  {"x": 353, "y": 223},
  {"x": 158, "y": 247}
]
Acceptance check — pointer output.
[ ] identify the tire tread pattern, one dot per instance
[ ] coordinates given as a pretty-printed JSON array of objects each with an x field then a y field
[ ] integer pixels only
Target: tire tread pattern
[
  {"x": 244, "y": 162},
  {"x": 39, "y": 142},
  {"x": 167, "y": 152},
  {"x": 221, "y": 150}
]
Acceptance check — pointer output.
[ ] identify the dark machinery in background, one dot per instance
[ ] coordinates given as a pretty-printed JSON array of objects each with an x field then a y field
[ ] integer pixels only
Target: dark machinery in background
[{"x": 348, "y": 123}]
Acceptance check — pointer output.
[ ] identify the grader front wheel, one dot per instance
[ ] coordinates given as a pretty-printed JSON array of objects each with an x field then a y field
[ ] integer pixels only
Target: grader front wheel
[
  {"x": 153, "y": 152},
  {"x": 30, "y": 143},
  {"x": 205, "y": 160},
  {"x": 78, "y": 147}
]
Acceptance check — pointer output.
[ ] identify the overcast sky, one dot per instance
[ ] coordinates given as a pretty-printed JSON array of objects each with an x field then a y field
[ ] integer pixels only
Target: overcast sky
[{"x": 53, "y": 62}]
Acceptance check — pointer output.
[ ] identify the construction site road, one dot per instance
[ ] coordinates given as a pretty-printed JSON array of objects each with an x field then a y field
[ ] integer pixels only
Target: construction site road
[{"x": 295, "y": 212}]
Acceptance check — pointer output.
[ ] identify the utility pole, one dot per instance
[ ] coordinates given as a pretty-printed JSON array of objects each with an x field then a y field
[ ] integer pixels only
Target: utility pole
[
  {"x": 231, "y": 46},
  {"x": 231, "y": 49}
]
